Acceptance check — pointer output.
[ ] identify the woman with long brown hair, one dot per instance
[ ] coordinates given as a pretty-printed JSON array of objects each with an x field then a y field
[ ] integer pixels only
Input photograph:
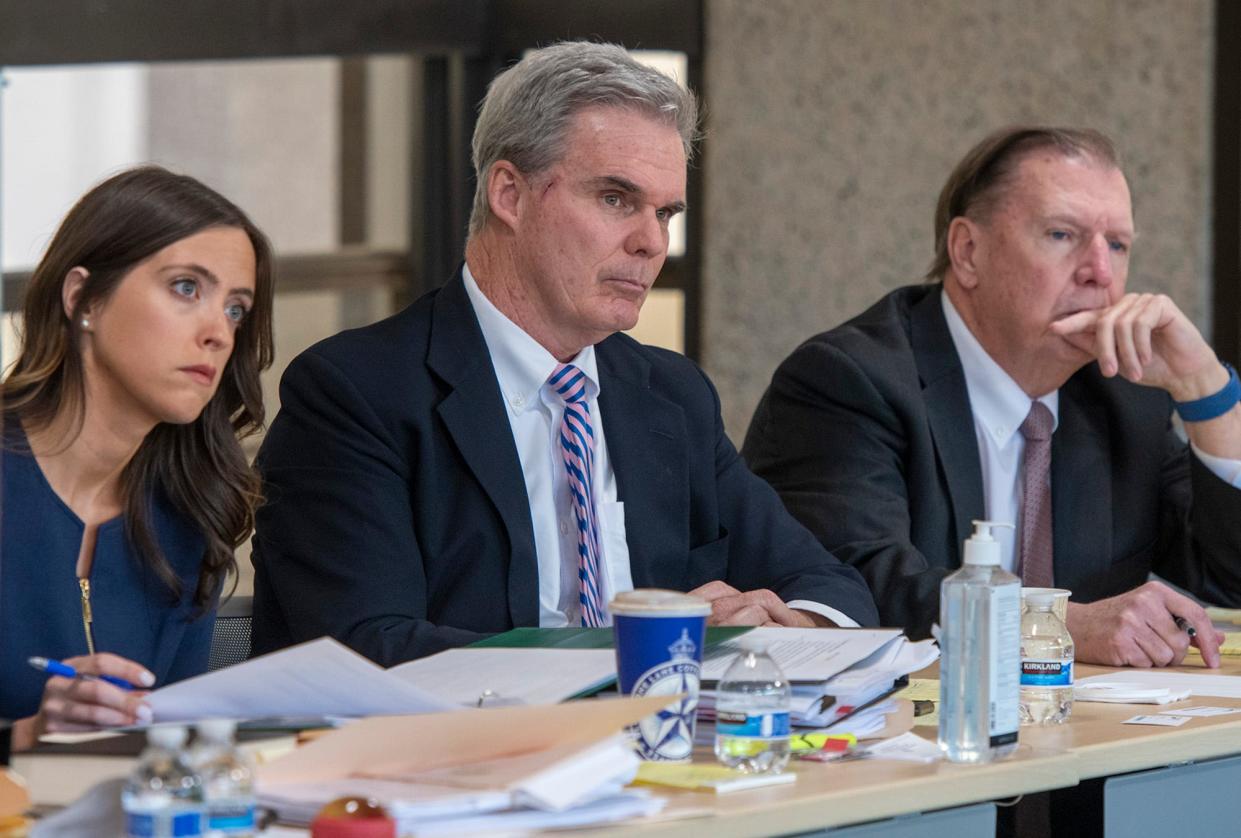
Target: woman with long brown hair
[{"x": 125, "y": 489}]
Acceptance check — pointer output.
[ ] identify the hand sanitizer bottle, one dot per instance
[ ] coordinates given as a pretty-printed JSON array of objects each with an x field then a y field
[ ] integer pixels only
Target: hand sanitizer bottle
[{"x": 980, "y": 645}]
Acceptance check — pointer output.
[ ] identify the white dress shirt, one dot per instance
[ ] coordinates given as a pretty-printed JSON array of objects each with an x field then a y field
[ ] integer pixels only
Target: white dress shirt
[
  {"x": 522, "y": 368},
  {"x": 1000, "y": 406}
]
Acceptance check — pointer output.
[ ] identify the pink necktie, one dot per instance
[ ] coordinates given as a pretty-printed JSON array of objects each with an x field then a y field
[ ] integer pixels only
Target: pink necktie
[{"x": 1036, "y": 538}]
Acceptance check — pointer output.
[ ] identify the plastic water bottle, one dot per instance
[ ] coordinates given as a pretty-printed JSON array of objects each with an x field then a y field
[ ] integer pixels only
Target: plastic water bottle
[
  {"x": 162, "y": 798},
  {"x": 980, "y": 645},
  {"x": 1046, "y": 661},
  {"x": 227, "y": 781},
  {"x": 752, "y": 715}
]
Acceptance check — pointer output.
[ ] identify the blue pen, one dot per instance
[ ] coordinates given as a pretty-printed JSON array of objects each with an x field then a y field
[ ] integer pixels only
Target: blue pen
[{"x": 52, "y": 667}]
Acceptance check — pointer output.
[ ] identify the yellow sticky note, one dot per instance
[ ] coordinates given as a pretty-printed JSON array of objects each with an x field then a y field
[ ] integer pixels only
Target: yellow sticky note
[
  {"x": 923, "y": 689},
  {"x": 705, "y": 777}
]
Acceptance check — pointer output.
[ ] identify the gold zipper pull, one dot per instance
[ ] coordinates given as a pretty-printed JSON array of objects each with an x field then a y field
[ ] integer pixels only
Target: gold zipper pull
[{"x": 87, "y": 618}]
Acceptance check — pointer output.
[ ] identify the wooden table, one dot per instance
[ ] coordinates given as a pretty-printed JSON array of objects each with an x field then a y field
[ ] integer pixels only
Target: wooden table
[{"x": 1093, "y": 744}]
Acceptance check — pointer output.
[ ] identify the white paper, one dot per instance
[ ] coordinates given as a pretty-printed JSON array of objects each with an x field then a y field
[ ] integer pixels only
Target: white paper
[
  {"x": 1107, "y": 692},
  {"x": 298, "y": 803},
  {"x": 318, "y": 678},
  {"x": 1202, "y": 711},
  {"x": 814, "y": 654},
  {"x": 865, "y": 723},
  {"x": 570, "y": 783},
  {"x": 632, "y": 803},
  {"x": 528, "y": 676},
  {"x": 908, "y": 747},
  {"x": 1225, "y": 686},
  {"x": 895, "y": 658},
  {"x": 1158, "y": 720}
]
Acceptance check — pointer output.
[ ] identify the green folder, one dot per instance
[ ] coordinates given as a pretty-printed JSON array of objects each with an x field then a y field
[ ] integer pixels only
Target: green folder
[{"x": 583, "y": 638}]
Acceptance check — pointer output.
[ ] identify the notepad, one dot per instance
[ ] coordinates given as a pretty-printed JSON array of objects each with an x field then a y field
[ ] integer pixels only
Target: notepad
[
  {"x": 1230, "y": 646},
  {"x": 715, "y": 778},
  {"x": 920, "y": 691},
  {"x": 1225, "y": 615}
]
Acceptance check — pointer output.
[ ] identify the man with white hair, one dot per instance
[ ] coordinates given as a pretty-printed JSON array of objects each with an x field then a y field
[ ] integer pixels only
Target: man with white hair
[{"x": 496, "y": 455}]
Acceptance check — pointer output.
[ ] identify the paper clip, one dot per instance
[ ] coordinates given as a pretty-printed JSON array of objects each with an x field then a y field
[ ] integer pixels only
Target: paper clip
[{"x": 491, "y": 698}]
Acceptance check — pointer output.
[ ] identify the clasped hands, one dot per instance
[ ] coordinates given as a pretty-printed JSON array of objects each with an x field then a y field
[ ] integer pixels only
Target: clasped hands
[{"x": 731, "y": 607}]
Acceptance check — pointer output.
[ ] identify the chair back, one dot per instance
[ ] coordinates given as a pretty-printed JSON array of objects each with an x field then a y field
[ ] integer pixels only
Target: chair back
[{"x": 230, "y": 643}]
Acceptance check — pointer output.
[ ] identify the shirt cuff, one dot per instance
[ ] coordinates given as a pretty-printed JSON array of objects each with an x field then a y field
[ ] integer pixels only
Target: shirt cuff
[
  {"x": 1225, "y": 469},
  {"x": 842, "y": 620}
]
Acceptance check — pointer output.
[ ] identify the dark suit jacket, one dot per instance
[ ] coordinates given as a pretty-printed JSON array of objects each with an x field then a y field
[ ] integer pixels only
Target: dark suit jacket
[
  {"x": 866, "y": 432},
  {"x": 397, "y": 519}
]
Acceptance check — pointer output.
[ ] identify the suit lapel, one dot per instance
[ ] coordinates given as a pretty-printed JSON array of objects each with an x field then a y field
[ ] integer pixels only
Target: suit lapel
[
  {"x": 474, "y": 415},
  {"x": 646, "y": 440},
  {"x": 948, "y": 411},
  {"x": 1081, "y": 486}
]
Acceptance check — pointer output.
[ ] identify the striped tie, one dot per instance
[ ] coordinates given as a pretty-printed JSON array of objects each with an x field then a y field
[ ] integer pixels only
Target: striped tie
[{"x": 577, "y": 446}]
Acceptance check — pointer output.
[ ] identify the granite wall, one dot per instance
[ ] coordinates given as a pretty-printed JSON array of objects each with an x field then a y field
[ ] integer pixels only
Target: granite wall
[{"x": 832, "y": 125}]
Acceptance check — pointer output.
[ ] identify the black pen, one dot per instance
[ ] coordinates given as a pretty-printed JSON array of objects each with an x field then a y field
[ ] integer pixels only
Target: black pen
[{"x": 1184, "y": 626}]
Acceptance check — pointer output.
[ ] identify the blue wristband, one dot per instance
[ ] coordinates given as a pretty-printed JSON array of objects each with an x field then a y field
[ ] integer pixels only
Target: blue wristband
[{"x": 1214, "y": 405}]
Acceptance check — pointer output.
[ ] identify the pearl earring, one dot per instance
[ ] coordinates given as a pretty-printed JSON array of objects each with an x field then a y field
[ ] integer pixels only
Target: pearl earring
[{"x": 85, "y": 323}]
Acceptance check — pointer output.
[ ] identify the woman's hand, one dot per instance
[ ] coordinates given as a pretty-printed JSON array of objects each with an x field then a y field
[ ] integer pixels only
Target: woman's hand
[{"x": 80, "y": 704}]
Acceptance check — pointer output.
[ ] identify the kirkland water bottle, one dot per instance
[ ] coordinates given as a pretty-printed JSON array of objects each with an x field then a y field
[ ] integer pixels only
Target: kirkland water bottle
[
  {"x": 162, "y": 798},
  {"x": 1046, "y": 659},
  {"x": 980, "y": 645},
  {"x": 752, "y": 715},
  {"x": 227, "y": 781}
]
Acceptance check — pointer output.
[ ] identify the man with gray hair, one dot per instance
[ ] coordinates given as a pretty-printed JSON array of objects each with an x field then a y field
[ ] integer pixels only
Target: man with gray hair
[
  {"x": 496, "y": 455},
  {"x": 1024, "y": 385}
]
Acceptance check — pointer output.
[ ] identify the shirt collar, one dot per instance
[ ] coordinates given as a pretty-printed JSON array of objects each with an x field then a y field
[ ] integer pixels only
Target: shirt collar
[
  {"x": 521, "y": 363},
  {"x": 996, "y": 400}
]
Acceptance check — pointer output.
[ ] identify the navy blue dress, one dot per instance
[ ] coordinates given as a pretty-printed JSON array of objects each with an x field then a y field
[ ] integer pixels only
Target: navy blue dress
[{"x": 135, "y": 614}]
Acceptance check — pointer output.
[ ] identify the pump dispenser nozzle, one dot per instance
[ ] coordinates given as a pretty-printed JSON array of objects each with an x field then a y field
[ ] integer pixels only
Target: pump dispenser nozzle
[{"x": 981, "y": 547}]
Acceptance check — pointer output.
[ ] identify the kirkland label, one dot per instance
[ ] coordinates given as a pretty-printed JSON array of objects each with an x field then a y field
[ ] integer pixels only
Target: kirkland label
[{"x": 1046, "y": 673}]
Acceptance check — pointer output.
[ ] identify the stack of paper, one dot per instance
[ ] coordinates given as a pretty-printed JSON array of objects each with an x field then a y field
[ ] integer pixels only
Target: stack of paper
[
  {"x": 1113, "y": 693},
  {"x": 573, "y": 786},
  {"x": 1154, "y": 686},
  {"x": 324, "y": 678},
  {"x": 834, "y": 672},
  {"x": 506, "y": 768}
]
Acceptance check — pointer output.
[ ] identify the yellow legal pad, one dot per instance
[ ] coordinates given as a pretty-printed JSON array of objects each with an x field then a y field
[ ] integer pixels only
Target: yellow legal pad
[
  {"x": 922, "y": 690},
  {"x": 694, "y": 777},
  {"x": 1230, "y": 646},
  {"x": 1224, "y": 615}
]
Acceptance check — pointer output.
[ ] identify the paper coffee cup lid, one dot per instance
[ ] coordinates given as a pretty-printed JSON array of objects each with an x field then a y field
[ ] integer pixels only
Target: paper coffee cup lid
[
  {"x": 658, "y": 602},
  {"x": 1043, "y": 596}
]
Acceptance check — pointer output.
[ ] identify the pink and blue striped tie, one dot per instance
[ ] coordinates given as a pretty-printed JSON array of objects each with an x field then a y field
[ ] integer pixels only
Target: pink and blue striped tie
[{"x": 577, "y": 447}]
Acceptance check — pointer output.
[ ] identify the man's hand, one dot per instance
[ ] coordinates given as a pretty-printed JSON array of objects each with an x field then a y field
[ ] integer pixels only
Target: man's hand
[
  {"x": 731, "y": 607},
  {"x": 1148, "y": 340},
  {"x": 77, "y": 704},
  {"x": 1139, "y": 628}
]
